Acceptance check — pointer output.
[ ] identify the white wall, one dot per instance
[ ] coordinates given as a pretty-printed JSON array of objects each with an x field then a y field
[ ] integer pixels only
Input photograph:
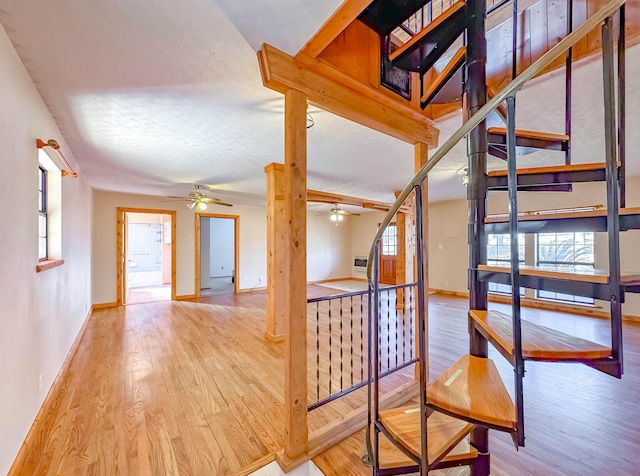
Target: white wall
[
  {"x": 447, "y": 221},
  {"x": 205, "y": 252},
  {"x": 40, "y": 313},
  {"x": 363, "y": 230},
  {"x": 328, "y": 248},
  {"x": 221, "y": 247}
]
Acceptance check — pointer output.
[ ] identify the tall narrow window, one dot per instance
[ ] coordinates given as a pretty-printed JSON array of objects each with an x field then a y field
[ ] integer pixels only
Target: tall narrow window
[
  {"x": 43, "y": 249},
  {"x": 390, "y": 241},
  {"x": 565, "y": 251},
  {"x": 499, "y": 254}
]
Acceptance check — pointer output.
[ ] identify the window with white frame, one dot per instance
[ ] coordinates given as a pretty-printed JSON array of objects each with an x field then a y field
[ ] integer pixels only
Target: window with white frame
[
  {"x": 390, "y": 241},
  {"x": 49, "y": 208},
  {"x": 572, "y": 251},
  {"x": 43, "y": 249}
]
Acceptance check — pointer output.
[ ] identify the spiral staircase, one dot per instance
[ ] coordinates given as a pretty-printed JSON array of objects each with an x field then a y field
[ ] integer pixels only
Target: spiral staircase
[{"x": 450, "y": 425}]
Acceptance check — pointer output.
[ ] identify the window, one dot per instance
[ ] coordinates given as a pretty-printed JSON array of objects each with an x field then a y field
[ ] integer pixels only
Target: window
[
  {"x": 43, "y": 249},
  {"x": 569, "y": 251},
  {"x": 499, "y": 254},
  {"x": 49, "y": 213},
  {"x": 390, "y": 241}
]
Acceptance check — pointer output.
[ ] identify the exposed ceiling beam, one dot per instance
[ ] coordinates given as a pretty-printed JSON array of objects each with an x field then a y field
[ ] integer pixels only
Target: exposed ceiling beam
[
  {"x": 336, "y": 24},
  {"x": 328, "y": 89},
  {"x": 334, "y": 198}
]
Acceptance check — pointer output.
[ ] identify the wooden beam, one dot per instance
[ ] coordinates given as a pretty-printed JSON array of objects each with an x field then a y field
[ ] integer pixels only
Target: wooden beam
[
  {"x": 334, "y": 198},
  {"x": 295, "y": 275},
  {"x": 336, "y": 24},
  {"x": 276, "y": 260},
  {"x": 327, "y": 88}
]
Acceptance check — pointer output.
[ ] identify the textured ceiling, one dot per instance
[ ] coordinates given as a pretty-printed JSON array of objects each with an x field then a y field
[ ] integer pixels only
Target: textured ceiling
[{"x": 154, "y": 96}]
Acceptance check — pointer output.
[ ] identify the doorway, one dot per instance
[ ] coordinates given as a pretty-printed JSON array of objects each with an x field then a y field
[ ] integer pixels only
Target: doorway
[
  {"x": 216, "y": 254},
  {"x": 146, "y": 255}
]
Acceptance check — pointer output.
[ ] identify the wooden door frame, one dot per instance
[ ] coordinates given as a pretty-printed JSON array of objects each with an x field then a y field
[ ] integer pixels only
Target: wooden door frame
[
  {"x": 236, "y": 247},
  {"x": 120, "y": 243}
]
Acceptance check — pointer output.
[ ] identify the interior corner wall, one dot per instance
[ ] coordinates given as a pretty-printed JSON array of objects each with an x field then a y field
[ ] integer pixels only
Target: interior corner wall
[
  {"x": 364, "y": 229},
  {"x": 328, "y": 247},
  {"x": 448, "y": 250},
  {"x": 41, "y": 313},
  {"x": 205, "y": 252}
]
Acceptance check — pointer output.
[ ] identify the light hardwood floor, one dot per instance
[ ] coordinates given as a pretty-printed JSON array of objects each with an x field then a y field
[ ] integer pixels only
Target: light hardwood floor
[{"x": 193, "y": 388}]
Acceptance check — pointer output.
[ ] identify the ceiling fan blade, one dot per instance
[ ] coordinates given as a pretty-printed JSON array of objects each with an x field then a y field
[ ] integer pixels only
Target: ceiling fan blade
[
  {"x": 178, "y": 198},
  {"x": 216, "y": 201}
]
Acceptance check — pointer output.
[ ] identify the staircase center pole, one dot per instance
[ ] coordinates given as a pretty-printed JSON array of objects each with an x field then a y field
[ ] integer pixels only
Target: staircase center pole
[{"x": 475, "y": 92}]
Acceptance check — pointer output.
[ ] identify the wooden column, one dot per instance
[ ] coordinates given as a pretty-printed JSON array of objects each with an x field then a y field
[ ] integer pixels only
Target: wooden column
[
  {"x": 404, "y": 258},
  {"x": 421, "y": 156},
  {"x": 295, "y": 276},
  {"x": 276, "y": 260}
]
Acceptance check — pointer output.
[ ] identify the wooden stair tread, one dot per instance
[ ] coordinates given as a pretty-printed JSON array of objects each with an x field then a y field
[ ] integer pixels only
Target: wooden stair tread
[
  {"x": 586, "y": 275},
  {"x": 530, "y": 134},
  {"x": 551, "y": 169},
  {"x": 417, "y": 39},
  {"x": 601, "y": 212},
  {"x": 473, "y": 389},
  {"x": 445, "y": 432},
  {"x": 538, "y": 342}
]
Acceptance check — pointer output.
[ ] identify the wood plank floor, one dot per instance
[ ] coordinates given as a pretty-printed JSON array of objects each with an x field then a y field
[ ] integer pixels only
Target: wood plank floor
[{"x": 193, "y": 388}]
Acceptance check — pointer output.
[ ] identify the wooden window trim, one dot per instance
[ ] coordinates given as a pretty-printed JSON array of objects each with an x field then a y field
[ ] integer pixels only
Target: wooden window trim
[{"x": 46, "y": 264}]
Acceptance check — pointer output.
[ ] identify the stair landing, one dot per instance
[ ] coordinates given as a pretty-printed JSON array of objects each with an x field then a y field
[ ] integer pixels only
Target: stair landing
[
  {"x": 472, "y": 389},
  {"x": 538, "y": 342}
]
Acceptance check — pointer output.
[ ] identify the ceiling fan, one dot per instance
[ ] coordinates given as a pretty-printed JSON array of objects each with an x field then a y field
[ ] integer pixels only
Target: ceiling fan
[
  {"x": 337, "y": 214},
  {"x": 199, "y": 200}
]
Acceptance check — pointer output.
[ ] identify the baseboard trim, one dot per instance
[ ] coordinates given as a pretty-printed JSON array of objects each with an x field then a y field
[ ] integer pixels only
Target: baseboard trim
[
  {"x": 53, "y": 390},
  {"x": 186, "y": 297},
  {"x": 542, "y": 304},
  {"x": 251, "y": 290},
  {"x": 275, "y": 338},
  {"x": 103, "y": 305}
]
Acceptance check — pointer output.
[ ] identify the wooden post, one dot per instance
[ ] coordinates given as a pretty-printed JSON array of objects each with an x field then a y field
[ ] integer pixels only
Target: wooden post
[
  {"x": 404, "y": 257},
  {"x": 421, "y": 156},
  {"x": 276, "y": 259},
  {"x": 295, "y": 275}
]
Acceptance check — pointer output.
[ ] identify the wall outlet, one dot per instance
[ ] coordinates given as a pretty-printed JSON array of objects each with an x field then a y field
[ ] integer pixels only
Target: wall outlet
[
  {"x": 40, "y": 385},
  {"x": 440, "y": 246},
  {"x": 446, "y": 283}
]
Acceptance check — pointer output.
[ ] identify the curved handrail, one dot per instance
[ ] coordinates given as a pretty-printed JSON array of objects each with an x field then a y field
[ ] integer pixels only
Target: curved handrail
[{"x": 513, "y": 87}]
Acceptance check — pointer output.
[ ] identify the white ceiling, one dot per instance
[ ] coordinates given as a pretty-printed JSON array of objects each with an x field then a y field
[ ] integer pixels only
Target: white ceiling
[{"x": 154, "y": 96}]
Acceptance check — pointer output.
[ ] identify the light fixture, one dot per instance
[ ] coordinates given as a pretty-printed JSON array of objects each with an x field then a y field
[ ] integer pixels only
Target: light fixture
[
  {"x": 465, "y": 178},
  {"x": 336, "y": 215},
  {"x": 202, "y": 206}
]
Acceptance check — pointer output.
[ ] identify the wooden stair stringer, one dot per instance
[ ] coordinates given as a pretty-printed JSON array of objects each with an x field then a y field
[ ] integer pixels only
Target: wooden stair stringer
[
  {"x": 445, "y": 438},
  {"x": 538, "y": 342},
  {"x": 472, "y": 390},
  {"x": 419, "y": 53},
  {"x": 441, "y": 80}
]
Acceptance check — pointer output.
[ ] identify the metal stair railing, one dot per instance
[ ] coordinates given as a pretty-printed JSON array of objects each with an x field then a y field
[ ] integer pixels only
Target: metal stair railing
[{"x": 508, "y": 94}]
